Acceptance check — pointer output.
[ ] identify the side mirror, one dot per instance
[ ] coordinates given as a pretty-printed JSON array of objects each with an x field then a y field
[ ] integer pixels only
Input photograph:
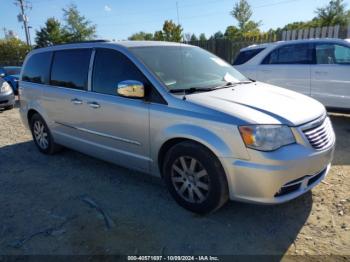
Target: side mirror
[
  {"x": 2, "y": 74},
  {"x": 131, "y": 88}
]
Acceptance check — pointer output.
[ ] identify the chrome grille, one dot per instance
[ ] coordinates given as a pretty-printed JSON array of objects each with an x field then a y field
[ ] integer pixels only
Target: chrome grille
[{"x": 320, "y": 136}]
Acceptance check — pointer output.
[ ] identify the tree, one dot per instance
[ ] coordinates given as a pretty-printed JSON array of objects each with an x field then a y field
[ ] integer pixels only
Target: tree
[
  {"x": 187, "y": 37},
  {"x": 218, "y": 35},
  {"x": 232, "y": 33},
  {"x": 194, "y": 37},
  {"x": 158, "y": 36},
  {"x": 141, "y": 36},
  {"x": 12, "y": 51},
  {"x": 172, "y": 32},
  {"x": 50, "y": 34},
  {"x": 77, "y": 27},
  {"x": 202, "y": 37},
  {"x": 242, "y": 12},
  {"x": 333, "y": 14}
]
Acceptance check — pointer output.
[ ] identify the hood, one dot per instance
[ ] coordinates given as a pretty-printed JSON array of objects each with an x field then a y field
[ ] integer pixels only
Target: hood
[{"x": 259, "y": 103}]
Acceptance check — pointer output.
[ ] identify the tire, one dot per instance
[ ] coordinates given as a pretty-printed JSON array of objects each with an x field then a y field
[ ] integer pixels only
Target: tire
[
  {"x": 189, "y": 166},
  {"x": 42, "y": 136}
]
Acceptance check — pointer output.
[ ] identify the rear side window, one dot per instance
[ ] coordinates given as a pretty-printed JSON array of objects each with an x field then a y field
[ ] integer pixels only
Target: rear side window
[
  {"x": 245, "y": 56},
  {"x": 291, "y": 54},
  {"x": 332, "y": 54},
  {"x": 70, "y": 68},
  {"x": 37, "y": 68},
  {"x": 110, "y": 68}
]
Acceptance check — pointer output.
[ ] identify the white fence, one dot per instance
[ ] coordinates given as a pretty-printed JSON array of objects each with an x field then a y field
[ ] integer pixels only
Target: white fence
[{"x": 318, "y": 32}]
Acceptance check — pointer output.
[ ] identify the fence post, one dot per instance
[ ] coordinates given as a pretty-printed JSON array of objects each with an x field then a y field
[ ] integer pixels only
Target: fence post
[
  {"x": 284, "y": 35},
  {"x": 330, "y": 31},
  {"x": 318, "y": 32},
  {"x": 312, "y": 33},
  {"x": 289, "y": 33},
  {"x": 324, "y": 32},
  {"x": 300, "y": 34},
  {"x": 306, "y": 33},
  {"x": 336, "y": 31},
  {"x": 348, "y": 35},
  {"x": 294, "y": 32}
]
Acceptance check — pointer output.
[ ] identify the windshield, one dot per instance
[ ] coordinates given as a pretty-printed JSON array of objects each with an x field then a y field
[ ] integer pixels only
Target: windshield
[
  {"x": 187, "y": 67},
  {"x": 12, "y": 70}
]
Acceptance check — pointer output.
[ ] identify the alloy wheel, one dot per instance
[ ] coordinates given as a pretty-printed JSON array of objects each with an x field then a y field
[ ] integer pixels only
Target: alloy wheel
[
  {"x": 40, "y": 134},
  {"x": 190, "y": 179}
]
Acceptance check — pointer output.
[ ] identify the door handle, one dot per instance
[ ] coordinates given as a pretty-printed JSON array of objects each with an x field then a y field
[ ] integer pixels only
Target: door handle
[
  {"x": 94, "y": 104},
  {"x": 321, "y": 73},
  {"x": 76, "y": 101}
]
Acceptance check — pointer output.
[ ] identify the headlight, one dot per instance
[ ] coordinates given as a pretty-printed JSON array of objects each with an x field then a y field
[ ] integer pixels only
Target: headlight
[
  {"x": 266, "y": 137},
  {"x": 5, "y": 87}
]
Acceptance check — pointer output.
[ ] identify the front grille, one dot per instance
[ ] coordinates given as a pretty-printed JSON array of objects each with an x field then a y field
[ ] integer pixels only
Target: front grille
[
  {"x": 4, "y": 102},
  {"x": 320, "y": 136}
]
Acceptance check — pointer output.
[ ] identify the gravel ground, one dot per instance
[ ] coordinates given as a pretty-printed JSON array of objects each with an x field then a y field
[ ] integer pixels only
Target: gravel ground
[{"x": 74, "y": 204}]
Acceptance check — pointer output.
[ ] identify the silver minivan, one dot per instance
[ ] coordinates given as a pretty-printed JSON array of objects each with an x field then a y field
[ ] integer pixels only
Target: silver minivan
[{"x": 179, "y": 112}]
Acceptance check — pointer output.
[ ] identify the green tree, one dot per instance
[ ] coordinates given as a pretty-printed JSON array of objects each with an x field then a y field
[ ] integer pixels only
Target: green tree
[
  {"x": 141, "y": 36},
  {"x": 172, "y": 32},
  {"x": 242, "y": 12},
  {"x": 158, "y": 36},
  {"x": 232, "y": 33},
  {"x": 334, "y": 13},
  {"x": 194, "y": 37},
  {"x": 202, "y": 37},
  {"x": 77, "y": 27},
  {"x": 218, "y": 35},
  {"x": 50, "y": 34},
  {"x": 12, "y": 51}
]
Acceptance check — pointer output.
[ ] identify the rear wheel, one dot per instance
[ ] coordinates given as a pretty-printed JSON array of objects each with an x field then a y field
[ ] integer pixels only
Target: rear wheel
[
  {"x": 195, "y": 177},
  {"x": 42, "y": 135}
]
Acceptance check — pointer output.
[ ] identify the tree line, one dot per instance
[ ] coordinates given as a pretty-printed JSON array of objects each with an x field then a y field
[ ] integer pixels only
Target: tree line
[{"x": 335, "y": 13}]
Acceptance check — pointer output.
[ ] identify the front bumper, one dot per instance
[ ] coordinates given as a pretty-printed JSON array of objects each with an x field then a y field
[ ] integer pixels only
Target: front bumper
[
  {"x": 7, "y": 99},
  {"x": 278, "y": 176}
]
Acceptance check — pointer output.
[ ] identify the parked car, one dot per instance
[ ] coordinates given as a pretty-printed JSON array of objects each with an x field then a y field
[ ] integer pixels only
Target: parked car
[
  {"x": 11, "y": 75},
  {"x": 318, "y": 68},
  {"x": 179, "y": 112},
  {"x": 7, "y": 98}
]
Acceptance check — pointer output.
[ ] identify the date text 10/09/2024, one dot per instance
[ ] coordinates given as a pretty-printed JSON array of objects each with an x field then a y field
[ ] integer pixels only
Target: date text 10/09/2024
[{"x": 173, "y": 258}]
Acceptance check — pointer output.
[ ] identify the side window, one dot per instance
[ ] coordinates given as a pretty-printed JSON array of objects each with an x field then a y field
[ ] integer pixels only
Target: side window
[
  {"x": 37, "y": 68},
  {"x": 245, "y": 56},
  {"x": 70, "y": 68},
  {"x": 110, "y": 68},
  {"x": 290, "y": 54},
  {"x": 332, "y": 54}
]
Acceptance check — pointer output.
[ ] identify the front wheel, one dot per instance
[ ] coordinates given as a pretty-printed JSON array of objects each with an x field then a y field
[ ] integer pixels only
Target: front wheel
[
  {"x": 195, "y": 178},
  {"x": 42, "y": 135}
]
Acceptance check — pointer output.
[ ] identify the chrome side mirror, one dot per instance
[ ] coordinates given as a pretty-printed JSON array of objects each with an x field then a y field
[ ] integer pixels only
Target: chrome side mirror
[
  {"x": 131, "y": 88},
  {"x": 2, "y": 74}
]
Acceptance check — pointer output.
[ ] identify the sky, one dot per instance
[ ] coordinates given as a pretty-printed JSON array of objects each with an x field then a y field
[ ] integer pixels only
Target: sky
[{"x": 118, "y": 19}]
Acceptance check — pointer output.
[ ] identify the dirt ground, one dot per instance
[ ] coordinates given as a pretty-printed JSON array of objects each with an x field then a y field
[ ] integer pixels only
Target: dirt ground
[{"x": 74, "y": 204}]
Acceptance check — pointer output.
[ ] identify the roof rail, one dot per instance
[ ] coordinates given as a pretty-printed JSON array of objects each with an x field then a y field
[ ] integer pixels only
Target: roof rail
[{"x": 82, "y": 42}]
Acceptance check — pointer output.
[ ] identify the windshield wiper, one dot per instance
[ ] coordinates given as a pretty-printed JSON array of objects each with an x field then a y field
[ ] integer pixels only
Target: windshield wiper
[
  {"x": 191, "y": 90},
  {"x": 231, "y": 84}
]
